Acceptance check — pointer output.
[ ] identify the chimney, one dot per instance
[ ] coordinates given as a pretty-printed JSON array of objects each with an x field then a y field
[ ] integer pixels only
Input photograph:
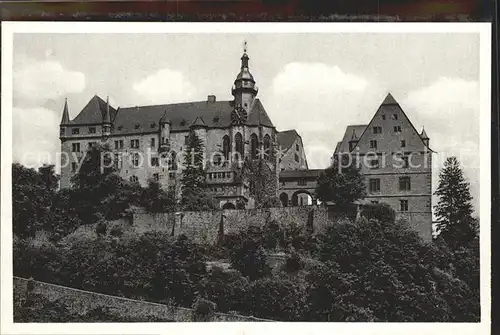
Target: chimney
[{"x": 211, "y": 98}]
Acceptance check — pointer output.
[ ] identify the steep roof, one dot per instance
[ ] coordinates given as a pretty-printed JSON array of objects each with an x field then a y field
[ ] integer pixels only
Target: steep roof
[
  {"x": 357, "y": 130},
  {"x": 389, "y": 100},
  {"x": 181, "y": 115},
  {"x": 198, "y": 122},
  {"x": 292, "y": 174},
  {"x": 93, "y": 112},
  {"x": 286, "y": 138}
]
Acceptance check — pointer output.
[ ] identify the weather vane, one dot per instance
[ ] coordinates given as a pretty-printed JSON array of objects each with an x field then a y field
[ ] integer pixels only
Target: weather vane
[{"x": 245, "y": 47}]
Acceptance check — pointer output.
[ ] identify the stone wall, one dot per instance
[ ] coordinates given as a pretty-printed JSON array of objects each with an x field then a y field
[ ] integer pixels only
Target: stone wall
[
  {"x": 79, "y": 301},
  {"x": 204, "y": 226}
]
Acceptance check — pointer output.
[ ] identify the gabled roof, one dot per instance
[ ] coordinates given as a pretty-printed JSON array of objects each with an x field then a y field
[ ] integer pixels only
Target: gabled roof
[
  {"x": 93, "y": 112},
  {"x": 198, "y": 122},
  {"x": 357, "y": 130},
  {"x": 286, "y": 138},
  {"x": 182, "y": 115},
  {"x": 390, "y": 104}
]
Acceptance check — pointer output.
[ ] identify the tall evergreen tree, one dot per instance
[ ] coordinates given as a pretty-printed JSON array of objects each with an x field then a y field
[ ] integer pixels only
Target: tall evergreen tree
[
  {"x": 193, "y": 196},
  {"x": 454, "y": 208}
]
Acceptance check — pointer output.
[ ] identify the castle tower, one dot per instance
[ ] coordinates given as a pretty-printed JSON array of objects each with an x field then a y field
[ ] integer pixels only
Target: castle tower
[
  {"x": 64, "y": 120},
  {"x": 244, "y": 89},
  {"x": 106, "y": 121},
  {"x": 424, "y": 137}
]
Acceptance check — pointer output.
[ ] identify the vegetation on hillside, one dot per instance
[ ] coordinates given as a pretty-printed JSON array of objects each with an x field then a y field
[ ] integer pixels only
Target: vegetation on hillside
[{"x": 372, "y": 269}]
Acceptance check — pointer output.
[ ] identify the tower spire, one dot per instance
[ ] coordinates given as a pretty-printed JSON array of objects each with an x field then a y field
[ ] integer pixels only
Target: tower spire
[
  {"x": 244, "y": 89},
  {"x": 65, "y": 116}
]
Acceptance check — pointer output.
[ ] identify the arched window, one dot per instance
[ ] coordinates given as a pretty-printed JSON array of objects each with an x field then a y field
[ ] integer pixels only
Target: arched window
[
  {"x": 254, "y": 145},
  {"x": 172, "y": 161},
  {"x": 239, "y": 144},
  {"x": 267, "y": 146},
  {"x": 134, "y": 179},
  {"x": 226, "y": 147}
]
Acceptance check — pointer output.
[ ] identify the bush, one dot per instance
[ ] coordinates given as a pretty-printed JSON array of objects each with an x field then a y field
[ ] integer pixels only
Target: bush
[
  {"x": 203, "y": 310},
  {"x": 381, "y": 212}
]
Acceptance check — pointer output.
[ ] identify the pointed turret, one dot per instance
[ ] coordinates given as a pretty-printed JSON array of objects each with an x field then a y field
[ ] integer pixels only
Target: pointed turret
[
  {"x": 353, "y": 141},
  {"x": 106, "y": 120},
  {"x": 165, "y": 125},
  {"x": 65, "y": 116},
  {"x": 424, "y": 137}
]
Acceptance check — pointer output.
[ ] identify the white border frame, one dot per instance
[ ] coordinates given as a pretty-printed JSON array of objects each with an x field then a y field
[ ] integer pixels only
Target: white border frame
[{"x": 8, "y": 327}]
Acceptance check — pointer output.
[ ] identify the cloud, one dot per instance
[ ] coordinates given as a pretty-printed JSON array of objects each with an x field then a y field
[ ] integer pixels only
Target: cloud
[
  {"x": 449, "y": 110},
  {"x": 164, "y": 86},
  {"x": 319, "y": 101},
  {"x": 38, "y": 81},
  {"x": 35, "y": 136}
]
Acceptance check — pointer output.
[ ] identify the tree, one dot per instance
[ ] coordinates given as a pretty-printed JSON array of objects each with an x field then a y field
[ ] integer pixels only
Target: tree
[
  {"x": 454, "y": 207},
  {"x": 341, "y": 184},
  {"x": 32, "y": 195},
  {"x": 156, "y": 199},
  {"x": 194, "y": 196}
]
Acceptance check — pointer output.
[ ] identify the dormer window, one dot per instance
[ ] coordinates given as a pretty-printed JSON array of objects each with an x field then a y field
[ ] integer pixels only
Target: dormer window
[
  {"x": 383, "y": 116},
  {"x": 183, "y": 122},
  {"x": 216, "y": 119},
  {"x": 136, "y": 126},
  {"x": 91, "y": 130},
  {"x": 75, "y": 131},
  {"x": 394, "y": 116},
  {"x": 120, "y": 127},
  {"x": 153, "y": 125}
]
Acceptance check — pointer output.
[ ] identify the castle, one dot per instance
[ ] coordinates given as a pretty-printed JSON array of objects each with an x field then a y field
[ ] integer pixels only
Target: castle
[{"x": 247, "y": 159}]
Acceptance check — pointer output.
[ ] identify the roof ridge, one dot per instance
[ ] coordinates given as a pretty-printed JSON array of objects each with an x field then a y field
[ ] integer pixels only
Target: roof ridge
[{"x": 176, "y": 103}]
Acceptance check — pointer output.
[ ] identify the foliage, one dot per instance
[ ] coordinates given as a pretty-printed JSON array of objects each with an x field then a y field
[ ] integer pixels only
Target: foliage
[
  {"x": 227, "y": 289},
  {"x": 194, "y": 196},
  {"x": 32, "y": 192},
  {"x": 380, "y": 212},
  {"x": 276, "y": 299},
  {"x": 454, "y": 208},
  {"x": 269, "y": 202},
  {"x": 240, "y": 203},
  {"x": 203, "y": 310},
  {"x": 342, "y": 184},
  {"x": 156, "y": 200}
]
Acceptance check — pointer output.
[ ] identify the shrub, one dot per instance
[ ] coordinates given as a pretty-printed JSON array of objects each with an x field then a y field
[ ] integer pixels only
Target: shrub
[
  {"x": 203, "y": 310},
  {"x": 381, "y": 212}
]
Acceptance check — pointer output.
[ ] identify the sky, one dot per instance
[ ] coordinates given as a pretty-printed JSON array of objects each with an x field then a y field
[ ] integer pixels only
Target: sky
[{"x": 316, "y": 83}]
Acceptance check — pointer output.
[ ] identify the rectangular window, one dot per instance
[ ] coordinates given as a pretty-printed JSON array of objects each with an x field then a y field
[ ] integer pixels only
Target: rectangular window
[
  {"x": 397, "y": 129},
  {"x": 297, "y": 158},
  {"x": 377, "y": 130},
  {"x": 186, "y": 140},
  {"x": 135, "y": 160},
  {"x": 152, "y": 142},
  {"x": 383, "y": 116},
  {"x": 156, "y": 176},
  {"x": 302, "y": 182},
  {"x": 373, "y": 144},
  {"x": 394, "y": 116},
  {"x": 374, "y": 202},
  {"x": 73, "y": 167},
  {"x": 155, "y": 161},
  {"x": 403, "y": 143},
  {"x": 134, "y": 144},
  {"x": 404, "y": 183},
  {"x": 75, "y": 147},
  {"x": 374, "y": 185},
  {"x": 119, "y": 144},
  {"x": 91, "y": 130},
  {"x": 297, "y": 147},
  {"x": 91, "y": 144},
  {"x": 374, "y": 163},
  {"x": 75, "y": 131},
  {"x": 403, "y": 205},
  {"x": 171, "y": 175}
]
